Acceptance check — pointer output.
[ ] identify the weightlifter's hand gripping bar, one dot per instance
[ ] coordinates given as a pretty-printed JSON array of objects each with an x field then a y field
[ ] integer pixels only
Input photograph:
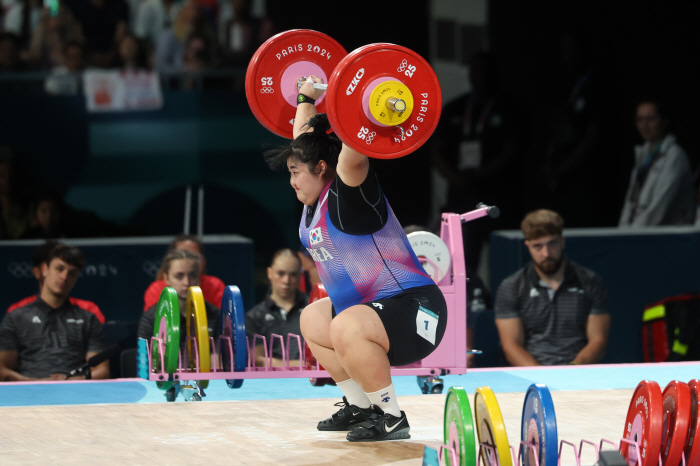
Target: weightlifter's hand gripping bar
[{"x": 392, "y": 103}]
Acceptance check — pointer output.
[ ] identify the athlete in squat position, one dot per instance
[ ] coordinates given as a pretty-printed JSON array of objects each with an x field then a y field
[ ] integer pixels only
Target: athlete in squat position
[{"x": 382, "y": 309}]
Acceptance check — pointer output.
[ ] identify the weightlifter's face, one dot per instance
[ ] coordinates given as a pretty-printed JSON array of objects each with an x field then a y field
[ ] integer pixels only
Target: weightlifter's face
[{"x": 306, "y": 184}]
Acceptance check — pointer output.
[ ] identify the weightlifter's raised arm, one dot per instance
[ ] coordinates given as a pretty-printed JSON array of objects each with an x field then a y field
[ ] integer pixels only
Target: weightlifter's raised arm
[
  {"x": 352, "y": 165},
  {"x": 305, "y": 105}
]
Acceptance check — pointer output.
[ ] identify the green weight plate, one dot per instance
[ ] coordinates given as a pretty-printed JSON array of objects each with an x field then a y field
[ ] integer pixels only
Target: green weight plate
[
  {"x": 167, "y": 328},
  {"x": 459, "y": 427}
]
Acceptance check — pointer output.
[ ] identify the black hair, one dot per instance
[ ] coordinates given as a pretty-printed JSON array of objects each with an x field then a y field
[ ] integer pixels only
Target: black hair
[
  {"x": 40, "y": 254},
  {"x": 308, "y": 148},
  {"x": 181, "y": 238},
  {"x": 68, "y": 254},
  {"x": 73, "y": 43},
  {"x": 49, "y": 195},
  {"x": 141, "y": 58},
  {"x": 662, "y": 107}
]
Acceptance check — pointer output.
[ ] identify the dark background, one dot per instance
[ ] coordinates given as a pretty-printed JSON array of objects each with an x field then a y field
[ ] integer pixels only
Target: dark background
[{"x": 646, "y": 48}]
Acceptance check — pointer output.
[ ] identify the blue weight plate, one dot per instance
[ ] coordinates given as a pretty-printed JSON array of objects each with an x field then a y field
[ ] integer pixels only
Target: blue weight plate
[
  {"x": 539, "y": 427},
  {"x": 233, "y": 326}
]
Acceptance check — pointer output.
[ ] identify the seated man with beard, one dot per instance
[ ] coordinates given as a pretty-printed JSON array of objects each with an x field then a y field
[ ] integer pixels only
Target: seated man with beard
[{"x": 552, "y": 311}]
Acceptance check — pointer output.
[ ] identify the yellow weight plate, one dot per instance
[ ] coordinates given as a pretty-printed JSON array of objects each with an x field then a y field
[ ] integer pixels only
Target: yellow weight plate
[
  {"x": 391, "y": 103},
  {"x": 490, "y": 428},
  {"x": 197, "y": 327}
]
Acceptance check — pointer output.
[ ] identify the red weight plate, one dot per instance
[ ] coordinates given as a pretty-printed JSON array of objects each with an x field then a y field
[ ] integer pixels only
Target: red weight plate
[
  {"x": 692, "y": 446},
  {"x": 270, "y": 81},
  {"x": 676, "y": 403},
  {"x": 354, "y": 79},
  {"x": 644, "y": 425}
]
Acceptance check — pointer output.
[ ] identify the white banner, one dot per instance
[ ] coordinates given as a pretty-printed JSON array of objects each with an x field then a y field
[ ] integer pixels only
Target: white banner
[{"x": 119, "y": 91}]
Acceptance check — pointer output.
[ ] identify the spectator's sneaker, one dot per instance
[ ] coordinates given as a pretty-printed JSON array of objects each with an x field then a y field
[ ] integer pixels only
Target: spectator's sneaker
[
  {"x": 381, "y": 427},
  {"x": 347, "y": 417}
]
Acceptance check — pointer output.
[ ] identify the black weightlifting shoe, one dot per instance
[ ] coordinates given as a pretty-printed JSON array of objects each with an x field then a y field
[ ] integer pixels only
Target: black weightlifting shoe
[
  {"x": 381, "y": 427},
  {"x": 347, "y": 417}
]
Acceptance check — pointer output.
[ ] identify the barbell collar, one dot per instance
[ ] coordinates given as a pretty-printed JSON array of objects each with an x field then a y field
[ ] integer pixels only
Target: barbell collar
[{"x": 396, "y": 105}]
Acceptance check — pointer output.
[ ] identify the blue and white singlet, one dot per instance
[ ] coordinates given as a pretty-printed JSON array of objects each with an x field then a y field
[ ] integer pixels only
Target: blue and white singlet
[{"x": 357, "y": 269}]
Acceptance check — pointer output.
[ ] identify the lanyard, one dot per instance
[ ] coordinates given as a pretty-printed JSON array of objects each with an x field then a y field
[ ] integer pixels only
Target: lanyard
[
  {"x": 577, "y": 88},
  {"x": 651, "y": 156}
]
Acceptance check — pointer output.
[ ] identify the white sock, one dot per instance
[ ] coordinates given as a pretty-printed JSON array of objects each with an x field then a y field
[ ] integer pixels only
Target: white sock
[
  {"x": 386, "y": 400},
  {"x": 353, "y": 393}
]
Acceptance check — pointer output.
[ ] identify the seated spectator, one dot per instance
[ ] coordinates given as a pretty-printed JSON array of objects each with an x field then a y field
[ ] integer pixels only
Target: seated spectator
[
  {"x": 196, "y": 58},
  {"x": 242, "y": 34},
  {"x": 47, "y": 221},
  {"x": 180, "y": 271},
  {"x": 21, "y": 19},
  {"x": 279, "y": 312},
  {"x": 552, "y": 311},
  {"x": 40, "y": 257},
  {"x": 54, "y": 31},
  {"x": 104, "y": 23},
  {"x": 15, "y": 210},
  {"x": 10, "y": 59},
  {"x": 212, "y": 287},
  {"x": 153, "y": 17},
  {"x": 50, "y": 337},
  {"x": 67, "y": 78},
  {"x": 661, "y": 184},
  {"x": 132, "y": 54},
  {"x": 170, "y": 46}
]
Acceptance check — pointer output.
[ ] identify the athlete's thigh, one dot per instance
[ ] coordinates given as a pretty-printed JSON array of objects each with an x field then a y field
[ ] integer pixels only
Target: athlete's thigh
[
  {"x": 315, "y": 322},
  {"x": 364, "y": 320}
]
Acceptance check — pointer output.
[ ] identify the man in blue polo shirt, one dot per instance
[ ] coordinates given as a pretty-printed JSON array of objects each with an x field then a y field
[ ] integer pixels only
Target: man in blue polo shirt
[{"x": 552, "y": 311}]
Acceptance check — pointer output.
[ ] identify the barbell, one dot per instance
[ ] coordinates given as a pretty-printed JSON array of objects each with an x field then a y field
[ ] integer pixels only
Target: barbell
[{"x": 383, "y": 100}]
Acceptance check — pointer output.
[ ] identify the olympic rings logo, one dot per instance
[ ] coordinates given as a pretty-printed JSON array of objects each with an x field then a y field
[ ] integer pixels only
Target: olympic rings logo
[
  {"x": 151, "y": 268},
  {"x": 402, "y": 66},
  {"x": 370, "y": 137},
  {"x": 267, "y": 90},
  {"x": 20, "y": 269}
]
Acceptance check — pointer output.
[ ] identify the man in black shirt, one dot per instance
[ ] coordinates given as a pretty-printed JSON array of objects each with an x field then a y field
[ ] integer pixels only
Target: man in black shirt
[
  {"x": 552, "y": 311},
  {"x": 51, "y": 336}
]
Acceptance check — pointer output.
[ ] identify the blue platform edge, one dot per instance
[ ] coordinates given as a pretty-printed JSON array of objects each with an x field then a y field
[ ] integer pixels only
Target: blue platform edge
[{"x": 595, "y": 377}]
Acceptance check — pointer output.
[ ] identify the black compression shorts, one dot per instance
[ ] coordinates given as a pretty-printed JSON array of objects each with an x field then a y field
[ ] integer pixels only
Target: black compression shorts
[{"x": 400, "y": 316}]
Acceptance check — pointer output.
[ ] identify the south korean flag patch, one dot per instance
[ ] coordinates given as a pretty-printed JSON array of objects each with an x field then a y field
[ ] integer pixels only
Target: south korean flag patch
[{"x": 315, "y": 236}]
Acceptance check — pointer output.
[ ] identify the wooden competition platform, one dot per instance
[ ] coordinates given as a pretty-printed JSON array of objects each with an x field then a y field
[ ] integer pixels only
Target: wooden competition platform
[{"x": 128, "y": 422}]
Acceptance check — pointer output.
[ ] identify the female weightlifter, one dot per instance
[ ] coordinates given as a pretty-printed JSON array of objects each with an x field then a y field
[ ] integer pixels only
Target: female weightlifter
[{"x": 383, "y": 309}]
